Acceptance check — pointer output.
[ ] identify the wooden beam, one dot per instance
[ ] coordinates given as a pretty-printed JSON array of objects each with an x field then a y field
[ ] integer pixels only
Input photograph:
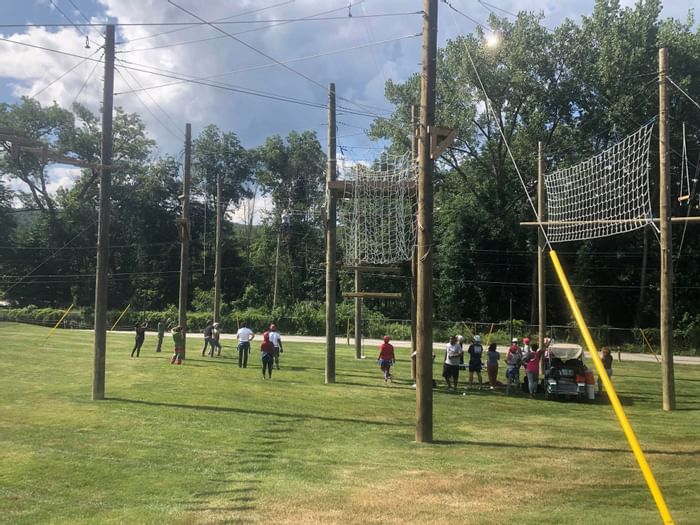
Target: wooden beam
[
  {"x": 607, "y": 221},
  {"x": 374, "y": 295},
  {"x": 372, "y": 269},
  {"x": 343, "y": 188}
]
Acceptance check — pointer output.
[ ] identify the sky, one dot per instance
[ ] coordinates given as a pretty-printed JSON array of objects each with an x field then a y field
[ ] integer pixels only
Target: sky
[{"x": 290, "y": 49}]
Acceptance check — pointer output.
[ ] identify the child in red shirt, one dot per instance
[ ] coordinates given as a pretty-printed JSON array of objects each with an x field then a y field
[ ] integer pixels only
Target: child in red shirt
[
  {"x": 267, "y": 352},
  {"x": 386, "y": 358}
]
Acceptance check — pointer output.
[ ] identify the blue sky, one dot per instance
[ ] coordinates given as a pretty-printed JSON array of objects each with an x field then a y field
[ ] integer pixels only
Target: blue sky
[{"x": 357, "y": 53}]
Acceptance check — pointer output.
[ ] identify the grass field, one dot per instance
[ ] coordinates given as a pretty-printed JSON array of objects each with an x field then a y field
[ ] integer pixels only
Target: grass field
[{"x": 208, "y": 442}]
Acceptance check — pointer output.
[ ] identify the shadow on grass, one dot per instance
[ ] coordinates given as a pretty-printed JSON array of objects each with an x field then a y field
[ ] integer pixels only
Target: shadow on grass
[
  {"x": 527, "y": 446},
  {"x": 253, "y": 412}
]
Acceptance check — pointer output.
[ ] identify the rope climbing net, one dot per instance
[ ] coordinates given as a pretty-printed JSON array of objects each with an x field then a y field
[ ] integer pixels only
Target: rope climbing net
[
  {"x": 605, "y": 195},
  {"x": 377, "y": 212}
]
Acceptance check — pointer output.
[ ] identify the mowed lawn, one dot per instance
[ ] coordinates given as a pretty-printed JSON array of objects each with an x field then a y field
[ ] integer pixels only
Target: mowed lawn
[{"x": 207, "y": 442}]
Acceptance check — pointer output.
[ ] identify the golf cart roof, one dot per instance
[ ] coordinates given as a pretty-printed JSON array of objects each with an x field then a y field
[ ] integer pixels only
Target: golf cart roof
[{"x": 566, "y": 352}]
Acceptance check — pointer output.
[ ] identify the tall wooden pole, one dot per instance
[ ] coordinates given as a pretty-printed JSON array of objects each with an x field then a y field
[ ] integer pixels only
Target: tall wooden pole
[
  {"x": 414, "y": 251},
  {"x": 330, "y": 241},
  {"x": 666, "y": 284},
  {"x": 358, "y": 313},
  {"x": 541, "y": 297},
  {"x": 100, "y": 338},
  {"x": 277, "y": 269},
  {"x": 217, "y": 254},
  {"x": 424, "y": 280},
  {"x": 185, "y": 237}
]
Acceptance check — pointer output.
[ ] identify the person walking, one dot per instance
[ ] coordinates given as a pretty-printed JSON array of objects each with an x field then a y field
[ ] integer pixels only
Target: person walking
[
  {"x": 215, "y": 343},
  {"x": 244, "y": 335},
  {"x": 267, "y": 354},
  {"x": 450, "y": 368},
  {"x": 140, "y": 330},
  {"x": 276, "y": 339},
  {"x": 179, "y": 343},
  {"x": 532, "y": 369},
  {"x": 386, "y": 358},
  {"x": 208, "y": 329},
  {"x": 492, "y": 358},
  {"x": 161, "y": 334},
  {"x": 475, "y": 352}
]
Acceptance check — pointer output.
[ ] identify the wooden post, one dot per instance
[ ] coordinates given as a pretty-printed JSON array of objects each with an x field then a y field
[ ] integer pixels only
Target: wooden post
[
  {"x": 330, "y": 241},
  {"x": 414, "y": 252},
  {"x": 100, "y": 338},
  {"x": 185, "y": 237},
  {"x": 217, "y": 253},
  {"x": 358, "y": 314},
  {"x": 666, "y": 276},
  {"x": 424, "y": 279},
  {"x": 277, "y": 269},
  {"x": 541, "y": 297}
]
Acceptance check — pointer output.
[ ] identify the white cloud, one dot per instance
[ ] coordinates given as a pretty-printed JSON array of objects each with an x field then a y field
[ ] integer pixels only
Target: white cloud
[{"x": 61, "y": 177}]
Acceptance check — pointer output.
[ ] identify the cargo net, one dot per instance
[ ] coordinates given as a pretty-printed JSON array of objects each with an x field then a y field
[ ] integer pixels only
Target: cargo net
[
  {"x": 605, "y": 195},
  {"x": 377, "y": 212}
]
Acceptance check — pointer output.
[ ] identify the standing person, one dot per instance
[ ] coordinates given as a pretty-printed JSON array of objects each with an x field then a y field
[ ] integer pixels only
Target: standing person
[
  {"x": 267, "y": 354},
  {"x": 460, "y": 342},
  {"x": 475, "y": 352},
  {"x": 215, "y": 344},
  {"x": 492, "y": 357},
  {"x": 532, "y": 369},
  {"x": 526, "y": 349},
  {"x": 208, "y": 329},
  {"x": 450, "y": 368},
  {"x": 514, "y": 358},
  {"x": 179, "y": 342},
  {"x": 386, "y": 358},
  {"x": 140, "y": 330},
  {"x": 161, "y": 334},
  {"x": 607, "y": 359},
  {"x": 276, "y": 339},
  {"x": 244, "y": 335}
]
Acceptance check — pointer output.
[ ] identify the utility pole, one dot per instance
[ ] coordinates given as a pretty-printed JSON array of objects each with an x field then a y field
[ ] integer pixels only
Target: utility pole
[
  {"x": 424, "y": 278},
  {"x": 217, "y": 255},
  {"x": 414, "y": 251},
  {"x": 330, "y": 241},
  {"x": 184, "y": 228},
  {"x": 541, "y": 298},
  {"x": 277, "y": 267},
  {"x": 358, "y": 310},
  {"x": 100, "y": 338},
  {"x": 666, "y": 276}
]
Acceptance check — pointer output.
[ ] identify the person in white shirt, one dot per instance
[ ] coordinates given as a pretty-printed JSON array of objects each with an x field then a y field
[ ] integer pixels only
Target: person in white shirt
[
  {"x": 450, "y": 369},
  {"x": 244, "y": 335},
  {"x": 276, "y": 339}
]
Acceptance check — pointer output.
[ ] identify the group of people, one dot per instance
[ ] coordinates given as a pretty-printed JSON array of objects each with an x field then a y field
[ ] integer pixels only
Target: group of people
[{"x": 270, "y": 348}]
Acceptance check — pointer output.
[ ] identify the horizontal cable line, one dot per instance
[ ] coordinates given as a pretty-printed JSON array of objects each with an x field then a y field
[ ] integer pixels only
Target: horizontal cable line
[
  {"x": 216, "y": 21},
  {"x": 230, "y": 22}
]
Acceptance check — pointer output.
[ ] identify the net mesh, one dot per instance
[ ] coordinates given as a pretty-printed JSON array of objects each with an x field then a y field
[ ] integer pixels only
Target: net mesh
[
  {"x": 377, "y": 212},
  {"x": 605, "y": 195}
]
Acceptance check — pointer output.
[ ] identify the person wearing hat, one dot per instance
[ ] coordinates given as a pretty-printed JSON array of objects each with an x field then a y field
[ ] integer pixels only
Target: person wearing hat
[
  {"x": 276, "y": 339},
  {"x": 514, "y": 358},
  {"x": 450, "y": 368},
  {"x": 386, "y": 358},
  {"x": 475, "y": 352},
  {"x": 179, "y": 342},
  {"x": 267, "y": 354}
]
